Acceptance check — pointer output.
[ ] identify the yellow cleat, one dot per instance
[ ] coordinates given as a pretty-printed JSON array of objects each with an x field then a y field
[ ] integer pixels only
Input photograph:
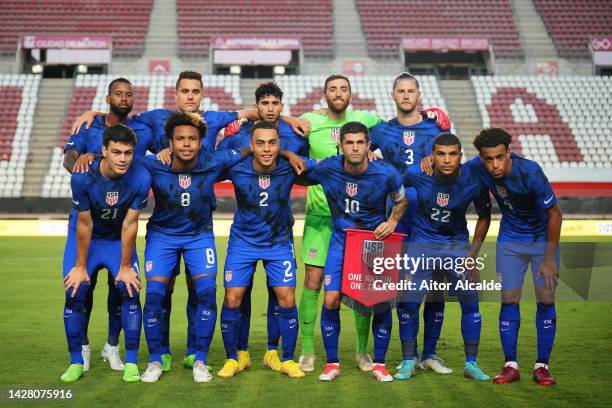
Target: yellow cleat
[
  {"x": 230, "y": 369},
  {"x": 292, "y": 369},
  {"x": 244, "y": 360},
  {"x": 272, "y": 361}
]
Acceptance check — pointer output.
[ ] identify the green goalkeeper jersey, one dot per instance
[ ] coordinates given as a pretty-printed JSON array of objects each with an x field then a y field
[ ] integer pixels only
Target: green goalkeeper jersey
[{"x": 323, "y": 139}]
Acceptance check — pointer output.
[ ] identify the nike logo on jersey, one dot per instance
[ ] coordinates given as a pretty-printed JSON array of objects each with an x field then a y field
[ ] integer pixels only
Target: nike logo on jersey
[
  {"x": 69, "y": 143},
  {"x": 75, "y": 202},
  {"x": 549, "y": 200}
]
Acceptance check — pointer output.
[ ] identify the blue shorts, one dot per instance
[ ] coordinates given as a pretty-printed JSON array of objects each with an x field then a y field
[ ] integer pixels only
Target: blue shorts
[
  {"x": 332, "y": 273},
  {"x": 513, "y": 258},
  {"x": 163, "y": 253},
  {"x": 241, "y": 261}
]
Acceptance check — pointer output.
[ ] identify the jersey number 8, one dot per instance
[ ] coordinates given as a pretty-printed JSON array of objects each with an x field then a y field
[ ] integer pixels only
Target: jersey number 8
[{"x": 185, "y": 199}]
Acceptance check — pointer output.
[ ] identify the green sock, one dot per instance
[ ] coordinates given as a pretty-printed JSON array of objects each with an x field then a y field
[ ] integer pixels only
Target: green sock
[
  {"x": 362, "y": 327},
  {"x": 307, "y": 313}
]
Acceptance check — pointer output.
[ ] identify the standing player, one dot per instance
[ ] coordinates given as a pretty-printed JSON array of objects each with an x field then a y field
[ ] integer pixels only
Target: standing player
[
  {"x": 440, "y": 232},
  {"x": 403, "y": 141},
  {"x": 529, "y": 234},
  {"x": 78, "y": 153},
  {"x": 262, "y": 230},
  {"x": 356, "y": 191},
  {"x": 108, "y": 199}
]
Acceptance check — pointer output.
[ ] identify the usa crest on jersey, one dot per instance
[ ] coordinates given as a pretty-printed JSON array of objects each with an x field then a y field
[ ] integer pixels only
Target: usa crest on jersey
[
  {"x": 184, "y": 180},
  {"x": 501, "y": 190},
  {"x": 442, "y": 199},
  {"x": 351, "y": 189},
  {"x": 264, "y": 182},
  {"x": 228, "y": 276},
  {"x": 408, "y": 136},
  {"x": 112, "y": 197},
  {"x": 335, "y": 134},
  {"x": 148, "y": 266},
  {"x": 372, "y": 250}
]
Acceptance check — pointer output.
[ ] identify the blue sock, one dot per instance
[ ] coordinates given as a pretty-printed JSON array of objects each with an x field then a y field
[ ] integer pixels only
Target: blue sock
[
  {"x": 74, "y": 317},
  {"x": 165, "y": 321},
  {"x": 509, "y": 324},
  {"x": 408, "y": 317},
  {"x": 288, "y": 326},
  {"x": 230, "y": 318},
  {"x": 471, "y": 323},
  {"x": 152, "y": 316},
  {"x": 88, "y": 309},
  {"x": 546, "y": 325},
  {"x": 244, "y": 326},
  {"x": 330, "y": 329},
  {"x": 273, "y": 320},
  {"x": 192, "y": 312},
  {"x": 433, "y": 317},
  {"x": 131, "y": 320},
  {"x": 381, "y": 331},
  {"x": 113, "y": 306},
  {"x": 206, "y": 317}
]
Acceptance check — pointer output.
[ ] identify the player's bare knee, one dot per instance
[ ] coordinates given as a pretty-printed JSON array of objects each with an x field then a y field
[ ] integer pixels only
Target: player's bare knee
[
  {"x": 332, "y": 299},
  {"x": 510, "y": 296},
  {"x": 285, "y": 296},
  {"x": 233, "y": 297},
  {"x": 544, "y": 295}
]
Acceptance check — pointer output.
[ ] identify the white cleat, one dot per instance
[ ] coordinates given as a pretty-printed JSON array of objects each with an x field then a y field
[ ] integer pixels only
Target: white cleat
[
  {"x": 86, "y": 353},
  {"x": 153, "y": 373},
  {"x": 381, "y": 374},
  {"x": 331, "y": 371},
  {"x": 111, "y": 354},
  {"x": 364, "y": 361},
  {"x": 436, "y": 365},
  {"x": 201, "y": 373},
  {"x": 307, "y": 362}
]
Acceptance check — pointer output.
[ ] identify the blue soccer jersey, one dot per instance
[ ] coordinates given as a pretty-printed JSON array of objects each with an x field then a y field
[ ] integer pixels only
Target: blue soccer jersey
[
  {"x": 185, "y": 199},
  {"x": 442, "y": 206},
  {"x": 109, "y": 199},
  {"x": 289, "y": 140},
  {"x": 523, "y": 197},
  {"x": 215, "y": 121}
]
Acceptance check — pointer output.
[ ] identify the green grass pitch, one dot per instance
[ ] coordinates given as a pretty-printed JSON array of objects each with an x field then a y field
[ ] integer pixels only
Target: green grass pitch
[{"x": 34, "y": 352}]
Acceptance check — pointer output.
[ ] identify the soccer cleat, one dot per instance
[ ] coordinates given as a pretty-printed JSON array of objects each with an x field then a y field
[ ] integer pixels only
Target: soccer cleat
[
  {"x": 201, "y": 373},
  {"x": 272, "y": 361},
  {"x": 153, "y": 372},
  {"x": 306, "y": 362},
  {"x": 471, "y": 370},
  {"x": 435, "y": 364},
  {"x": 507, "y": 375},
  {"x": 542, "y": 376},
  {"x": 166, "y": 362},
  {"x": 230, "y": 368},
  {"x": 189, "y": 360},
  {"x": 111, "y": 354},
  {"x": 405, "y": 370},
  {"x": 244, "y": 360},
  {"x": 364, "y": 361},
  {"x": 381, "y": 374},
  {"x": 417, "y": 363},
  {"x": 73, "y": 373},
  {"x": 290, "y": 368},
  {"x": 131, "y": 373},
  {"x": 331, "y": 371},
  {"x": 86, "y": 353}
]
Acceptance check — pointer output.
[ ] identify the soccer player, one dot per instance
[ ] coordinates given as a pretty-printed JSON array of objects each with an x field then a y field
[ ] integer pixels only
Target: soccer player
[
  {"x": 356, "y": 192},
  {"x": 440, "y": 232},
  {"x": 261, "y": 231},
  {"x": 108, "y": 199},
  {"x": 529, "y": 235},
  {"x": 269, "y": 105},
  {"x": 404, "y": 141},
  {"x": 79, "y": 151}
]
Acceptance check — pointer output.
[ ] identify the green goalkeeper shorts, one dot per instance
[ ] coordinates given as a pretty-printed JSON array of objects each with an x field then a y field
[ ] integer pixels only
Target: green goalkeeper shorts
[{"x": 317, "y": 234}]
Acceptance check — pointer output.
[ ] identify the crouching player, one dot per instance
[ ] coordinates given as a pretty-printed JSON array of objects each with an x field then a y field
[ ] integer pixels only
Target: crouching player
[
  {"x": 356, "y": 191},
  {"x": 108, "y": 199}
]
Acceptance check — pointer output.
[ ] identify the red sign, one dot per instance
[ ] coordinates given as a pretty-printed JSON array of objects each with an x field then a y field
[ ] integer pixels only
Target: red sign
[
  {"x": 160, "y": 67},
  {"x": 86, "y": 42},
  {"x": 547, "y": 68},
  {"x": 184, "y": 180},
  {"x": 264, "y": 182},
  {"x": 445, "y": 44},
  {"x": 255, "y": 43},
  {"x": 112, "y": 197},
  {"x": 601, "y": 43},
  {"x": 354, "y": 67},
  {"x": 363, "y": 278}
]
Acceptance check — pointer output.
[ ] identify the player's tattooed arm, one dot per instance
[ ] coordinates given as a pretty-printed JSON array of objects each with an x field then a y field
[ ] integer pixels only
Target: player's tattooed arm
[
  {"x": 70, "y": 157},
  {"x": 480, "y": 233},
  {"x": 300, "y": 126},
  {"x": 83, "y": 163},
  {"x": 548, "y": 268},
  {"x": 388, "y": 227},
  {"x": 78, "y": 274},
  {"x": 126, "y": 274},
  {"x": 87, "y": 118}
]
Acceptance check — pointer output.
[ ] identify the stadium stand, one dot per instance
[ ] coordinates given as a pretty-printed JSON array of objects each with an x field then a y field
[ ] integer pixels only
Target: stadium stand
[
  {"x": 561, "y": 122},
  {"x": 127, "y": 22},
  {"x": 18, "y": 97},
  {"x": 198, "y": 20},
  {"x": 385, "y": 22},
  {"x": 152, "y": 92},
  {"x": 570, "y": 23}
]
